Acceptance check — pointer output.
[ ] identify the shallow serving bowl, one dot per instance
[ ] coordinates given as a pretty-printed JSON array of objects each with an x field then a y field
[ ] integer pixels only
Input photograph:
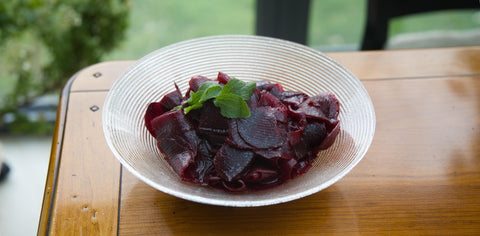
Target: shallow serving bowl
[{"x": 295, "y": 66}]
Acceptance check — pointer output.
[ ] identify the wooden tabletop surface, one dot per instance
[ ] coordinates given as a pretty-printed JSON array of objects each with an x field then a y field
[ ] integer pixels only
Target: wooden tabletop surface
[{"x": 421, "y": 175}]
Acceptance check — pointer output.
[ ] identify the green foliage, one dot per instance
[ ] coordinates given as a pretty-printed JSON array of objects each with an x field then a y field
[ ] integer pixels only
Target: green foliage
[
  {"x": 230, "y": 98},
  {"x": 44, "y": 42},
  {"x": 158, "y": 23},
  {"x": 22, "y": 125}
]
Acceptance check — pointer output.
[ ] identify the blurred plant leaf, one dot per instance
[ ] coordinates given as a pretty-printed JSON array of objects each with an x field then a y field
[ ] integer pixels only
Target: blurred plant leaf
[{"x": 52, "y": 40}]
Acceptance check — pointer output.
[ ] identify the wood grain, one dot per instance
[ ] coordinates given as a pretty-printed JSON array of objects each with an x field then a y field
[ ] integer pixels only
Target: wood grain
[
  {"x": 99, "y": 77},
  {"x": 425, "y": 63},
  {"x": 86, "y": 198},
  {"x": 420, "y": 176}
]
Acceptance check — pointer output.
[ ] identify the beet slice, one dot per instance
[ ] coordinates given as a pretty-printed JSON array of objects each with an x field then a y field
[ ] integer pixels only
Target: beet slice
[
  {"x": 303, "y": 165},
  {"x": 211, "y": 120},
  {"x": 234, "y": 139},
  {"x": 176, "y": 139},
  {"x": 177, "y": 155},
  {"x": 171, "y": 100},
  {"x": 232, "y": 163},
  {"x": 324, "y": 106},
  {"x": 262, "y": 174},
  {"x": 293, "y": 99},
  {"x": 154, "y": 109},
  {"x": 202, "y": 168},
  {"x": 235, "y": 186},
  {"x": 212, "y": 126},
  {"x": 273, "y": 88},
  {"x": 286, "y": 167},
  {"x": 313, "y": 135},
  {"x": 223, "y": 78},
  {"x": 267, "y": 99},
  {"x": 294, "y": 137},
  {"x": 282, "y": 152},
  {"x": 196, "y": 81},
  {"x": 260, "y": 130},
  {"x": 330, "y": 138}
]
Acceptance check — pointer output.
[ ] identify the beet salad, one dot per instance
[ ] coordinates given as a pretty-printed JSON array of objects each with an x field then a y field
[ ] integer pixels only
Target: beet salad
[{"x": 234, "y": 135}]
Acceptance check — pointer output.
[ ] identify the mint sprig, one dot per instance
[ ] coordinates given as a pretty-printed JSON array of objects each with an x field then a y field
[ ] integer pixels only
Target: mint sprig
[
  {"x": 232, "y": 106},
  {"x": 230, "y": 98},
  {"x": 207, "y": 90},
  {"x": 238, "y": 87}
]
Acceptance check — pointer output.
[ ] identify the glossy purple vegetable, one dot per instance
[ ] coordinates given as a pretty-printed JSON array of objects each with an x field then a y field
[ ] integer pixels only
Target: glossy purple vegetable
[{"x": 278, "y": 141}]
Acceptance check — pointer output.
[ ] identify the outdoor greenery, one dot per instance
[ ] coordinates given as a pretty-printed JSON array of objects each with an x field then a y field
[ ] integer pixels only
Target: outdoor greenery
[
  {"x": 44, "y": 42},
  {"x": 155, "y": 24}
]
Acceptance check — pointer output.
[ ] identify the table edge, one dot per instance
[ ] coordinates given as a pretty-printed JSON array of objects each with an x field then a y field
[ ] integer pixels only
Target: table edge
[{"x": 54, "y": 162}]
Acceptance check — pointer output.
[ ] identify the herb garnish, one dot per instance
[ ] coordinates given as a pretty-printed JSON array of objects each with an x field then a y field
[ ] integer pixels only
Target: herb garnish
[{"x": 230, "y": 98}]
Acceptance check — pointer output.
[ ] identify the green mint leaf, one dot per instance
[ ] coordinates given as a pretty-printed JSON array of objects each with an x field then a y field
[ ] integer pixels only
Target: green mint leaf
[
  {"x": 240, "y": 88},
  {"x": 232, "y": 106},
  {"x": 192, "y": 107},
  {"x": 211, "y": 92},
  {"x": 196, "y": 96},
  {"x": 230, "y": 98},
  {"x": 206, "y": 91}
]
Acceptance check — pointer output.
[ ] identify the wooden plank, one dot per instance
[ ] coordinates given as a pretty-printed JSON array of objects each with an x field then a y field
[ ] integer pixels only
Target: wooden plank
[
  {"x": 86, "y": 200},
  {"x": 55, "y": 154},
  {"x": 420, "y": 175},
  {"x": 100, "y": 77},
  {"x": 435, "y": 62}
]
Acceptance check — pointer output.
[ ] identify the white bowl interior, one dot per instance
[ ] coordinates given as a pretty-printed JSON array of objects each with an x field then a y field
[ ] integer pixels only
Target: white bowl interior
[{"x": 296, "y": 67}]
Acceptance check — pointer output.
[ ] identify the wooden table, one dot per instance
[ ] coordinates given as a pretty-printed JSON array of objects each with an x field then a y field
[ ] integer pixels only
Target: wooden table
[{"x": 420, "y": 176}]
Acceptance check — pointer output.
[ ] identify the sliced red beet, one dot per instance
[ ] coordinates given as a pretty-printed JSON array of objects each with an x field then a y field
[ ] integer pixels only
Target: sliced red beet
[
  {"x": 223, "y": 78},
  {"x": 273, "y": 88},
  {"x": 263, "y": 85},
  {"x": 232, "y": 163},
  {"x": 293, "y": 99},
  {"x": 171, "y": 100},
  {"x": 313, "y": 135},
  {"x": 294, "y": 137},
  {"x": 202, "y": 168},
  {"x": 303, "y": 165},
  {"x": 324, "y": 106},
  {"x": 154, "y": 109},
  {"x": 171, "y": 123},
  {"x": 267, "y": 99},
  {"x": 234, "y": 139},
  {"x": 211, "y": 120},
  {"x": 235, "y": 186},
  {"x": 176, "y": 139},
  {"x": 330, "y": 138},
  {"x": 196, "y": 81},
  {"x": 177, "y": 155},
  {"x": 212, "y": 126},
  {"x": 286, "y": 167},
  {"x": 260, "y": 130},
  {"x": 262, "y": 174},
  {"x": 282, "y": 152}
]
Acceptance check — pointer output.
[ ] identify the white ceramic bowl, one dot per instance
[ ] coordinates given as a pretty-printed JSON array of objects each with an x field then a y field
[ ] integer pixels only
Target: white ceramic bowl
[{"x": 295, "y": 66}]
